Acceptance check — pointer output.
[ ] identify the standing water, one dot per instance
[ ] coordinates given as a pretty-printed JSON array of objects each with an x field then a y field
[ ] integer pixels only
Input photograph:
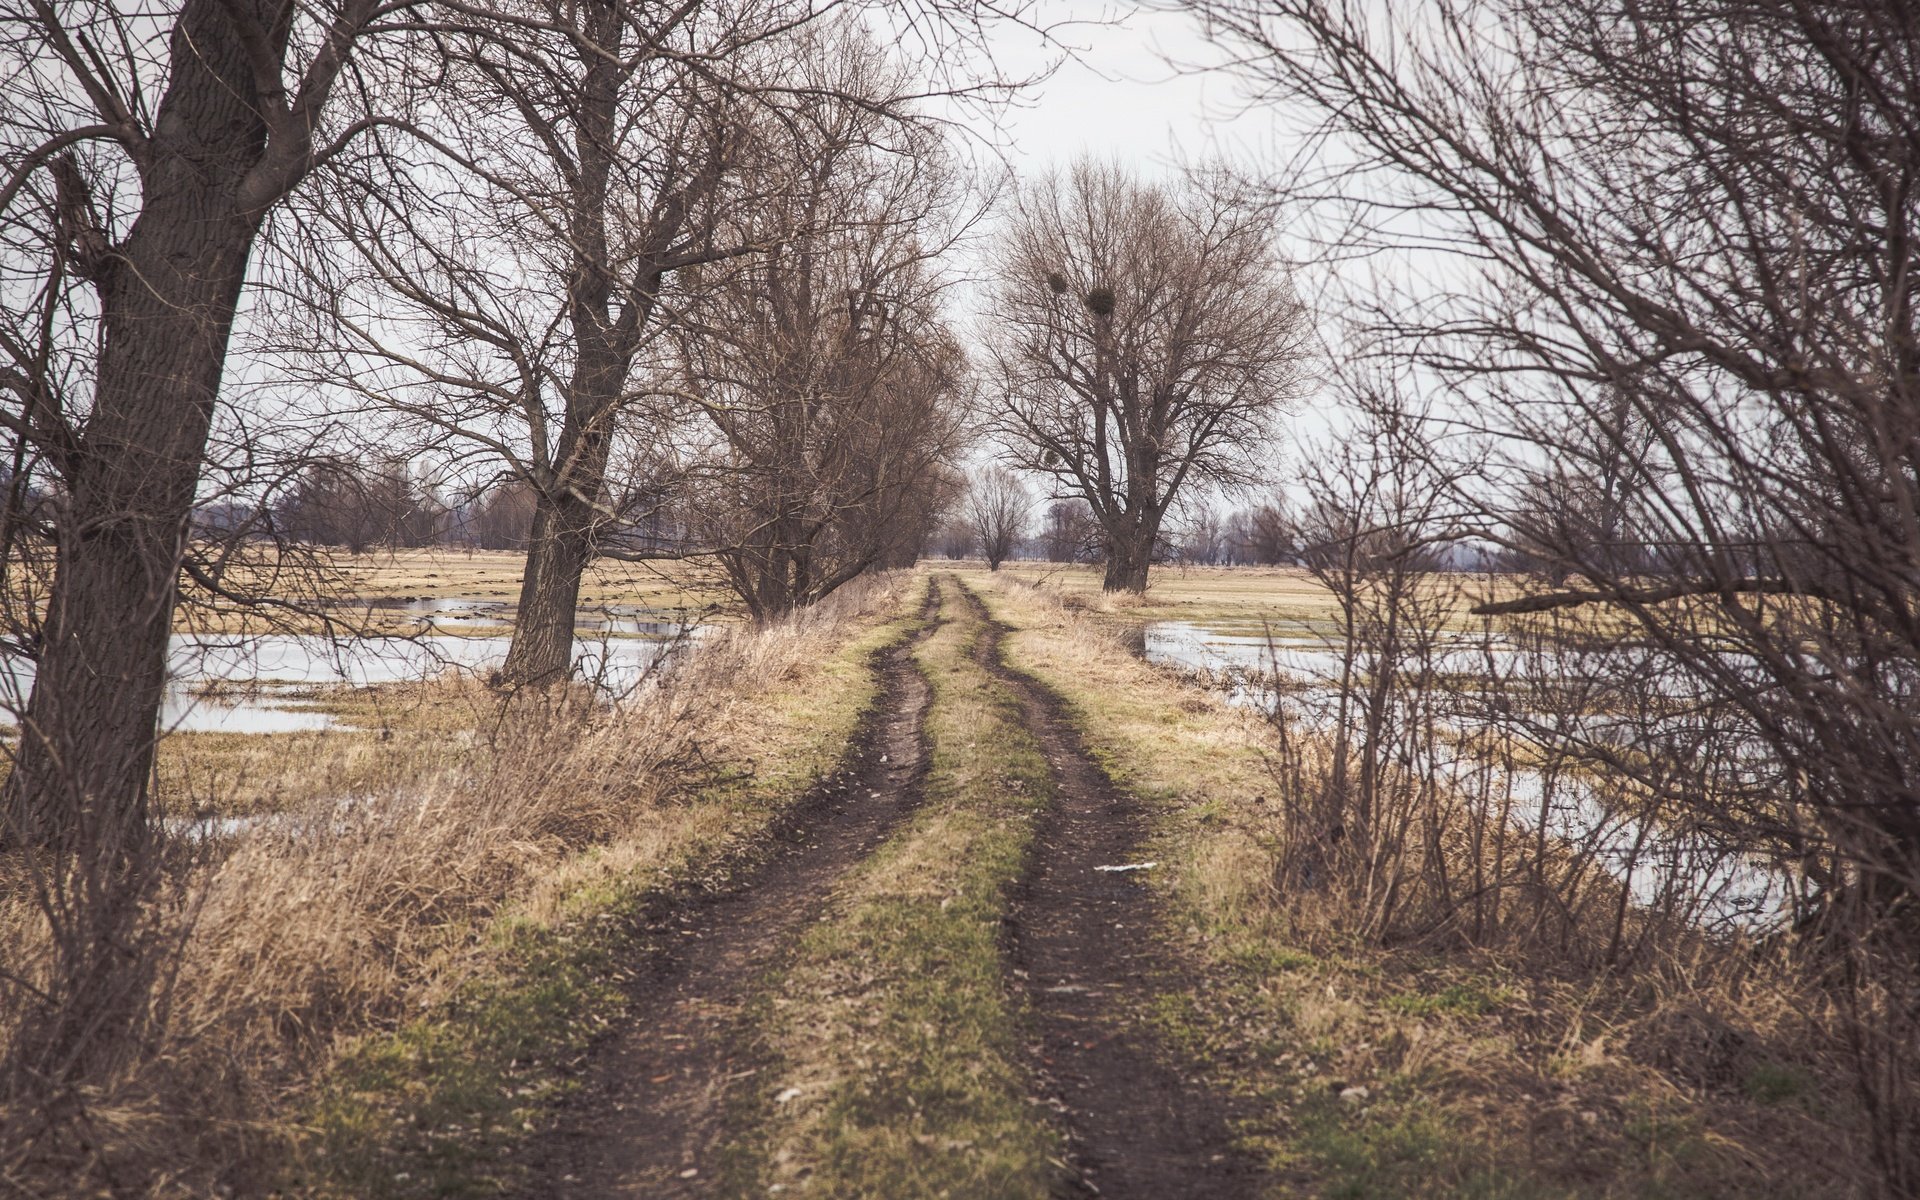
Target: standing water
[
  {"x": 231, "y": 683},
  {"x": 1728, "y": 886}
]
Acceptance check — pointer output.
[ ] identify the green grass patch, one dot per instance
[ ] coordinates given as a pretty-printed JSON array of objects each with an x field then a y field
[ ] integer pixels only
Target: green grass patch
[
  {"x": 1469, "y": 999},
  {"x": 1777, "y": 1083},
  {"x": 437, "y": 1107}
]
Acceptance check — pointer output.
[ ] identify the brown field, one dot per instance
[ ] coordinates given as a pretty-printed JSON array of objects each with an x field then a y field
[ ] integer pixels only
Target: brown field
[
  {"x": 445, "y": 574},
  {"x": 367, "y": 591},
  {"x": 1229, "y": 599}
]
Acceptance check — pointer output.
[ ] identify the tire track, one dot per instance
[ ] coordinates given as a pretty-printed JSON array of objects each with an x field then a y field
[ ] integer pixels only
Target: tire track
[
  {"x": 1085, "y": 947},
  {"x": 648, "y": 1116}
]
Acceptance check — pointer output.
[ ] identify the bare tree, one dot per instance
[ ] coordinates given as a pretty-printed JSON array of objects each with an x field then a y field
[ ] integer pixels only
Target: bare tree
[
  {"x": 821, "y": 366},
  {"x": 1145, "y": 338},
  {"x": 998, "y": 505},
  {"x": 1203, "y": 538},
  {"x": 501, "y": 517},
  {"x": 1070, "y": 533},
  {"x": 508, "y": 306},
  {"x": 1704, "y": 214},
  {"x": 499, "y": 303},
  {"x": 1262, "y": 534},
  {"x": 954, "y": 538},
  {"x": 142, "y": 153},
  {"x": 1583, "y": 505},
  {"x": 926, "y": 512}
]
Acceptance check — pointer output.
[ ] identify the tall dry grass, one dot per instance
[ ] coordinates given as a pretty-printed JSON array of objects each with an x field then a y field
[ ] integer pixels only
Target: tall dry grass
[{"x": 252, "y": 957}]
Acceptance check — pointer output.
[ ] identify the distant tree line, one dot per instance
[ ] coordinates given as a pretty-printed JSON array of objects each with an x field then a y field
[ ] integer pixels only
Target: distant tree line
[{"x": 391, "y": 505}]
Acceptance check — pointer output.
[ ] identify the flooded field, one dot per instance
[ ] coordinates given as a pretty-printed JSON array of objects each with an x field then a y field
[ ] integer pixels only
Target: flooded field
[
  {"x": 1299, "y": 676},
  {"x": 262, "y": 683}
]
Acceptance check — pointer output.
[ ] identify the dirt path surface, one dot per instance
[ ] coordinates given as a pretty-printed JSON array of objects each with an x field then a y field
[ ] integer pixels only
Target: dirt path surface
[
  {"x": 647, "y": 1117},
  {"x": 1085, "y": 943}
]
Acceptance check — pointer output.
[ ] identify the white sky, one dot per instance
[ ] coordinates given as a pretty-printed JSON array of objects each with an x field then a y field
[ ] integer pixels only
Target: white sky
[{"x": 1115, "y": 94}]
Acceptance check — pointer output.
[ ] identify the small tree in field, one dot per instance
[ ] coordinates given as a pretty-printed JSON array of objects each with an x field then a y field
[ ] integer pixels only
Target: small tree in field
[
  {"x": 1068, "y": 532},
  {"x": 998, "y": 506},
  {"x": 1145, "y": 339}
]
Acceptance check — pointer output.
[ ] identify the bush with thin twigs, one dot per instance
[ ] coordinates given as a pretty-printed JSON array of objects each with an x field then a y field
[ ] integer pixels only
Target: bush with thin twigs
[{"x": 1485, "y": 988}]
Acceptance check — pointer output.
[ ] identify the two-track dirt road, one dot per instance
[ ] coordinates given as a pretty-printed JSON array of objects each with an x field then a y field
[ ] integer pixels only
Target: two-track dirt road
[{"x": 1082, "y": 959}]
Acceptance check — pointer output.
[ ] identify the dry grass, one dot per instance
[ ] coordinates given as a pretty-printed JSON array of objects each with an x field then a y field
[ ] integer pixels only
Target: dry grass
[
  {"x": 367, "y": 592},
  {"x": 495, "y": 575},
  {"x": 1230, "y": 599},
  {"x": 1388, "y": 1066},
  {"x": 390, "y": 738},
  {"x": 299, "y": 939}
]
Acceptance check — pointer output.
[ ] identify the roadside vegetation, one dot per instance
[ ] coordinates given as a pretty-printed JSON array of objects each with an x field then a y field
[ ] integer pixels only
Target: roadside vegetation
[
  {"x": 1416, "y": 1059},
  {"x": 360, "y": 1013}
]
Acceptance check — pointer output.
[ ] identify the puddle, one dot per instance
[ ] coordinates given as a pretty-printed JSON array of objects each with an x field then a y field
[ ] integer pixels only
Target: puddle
[
  {"x": 457, "y": 613},
  {"x": 334, "y": 816},
  {"x": 185, "y": 711}
]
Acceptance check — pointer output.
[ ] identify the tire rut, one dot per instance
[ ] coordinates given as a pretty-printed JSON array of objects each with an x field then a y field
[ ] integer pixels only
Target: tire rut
[
  {"x": 1085, "y": 947},
  {"x": 647, "y": 1118}
]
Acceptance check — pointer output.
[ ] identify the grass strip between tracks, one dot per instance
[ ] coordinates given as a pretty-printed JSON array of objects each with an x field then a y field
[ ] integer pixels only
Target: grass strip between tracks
[{"x": 892, "y": 1038}]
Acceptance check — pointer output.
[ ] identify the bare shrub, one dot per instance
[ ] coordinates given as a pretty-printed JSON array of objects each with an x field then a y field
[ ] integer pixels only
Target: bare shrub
[{"x": 1674, "y": 312}]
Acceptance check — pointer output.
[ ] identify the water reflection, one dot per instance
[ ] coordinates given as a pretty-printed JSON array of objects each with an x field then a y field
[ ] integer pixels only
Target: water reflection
[
  {"x": 255, "y": 683},
  {"x": 1720, "y": 885}
]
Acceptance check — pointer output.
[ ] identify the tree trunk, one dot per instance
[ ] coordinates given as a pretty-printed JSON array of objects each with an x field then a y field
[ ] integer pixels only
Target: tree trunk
[
  {"x": 168, "y": 295},
  {"x": 561, "y": 542},
  {"x": 1129, "y": 552},
  {"x": 558, "y": 550},
  {"x": 1126, "y": 569}
]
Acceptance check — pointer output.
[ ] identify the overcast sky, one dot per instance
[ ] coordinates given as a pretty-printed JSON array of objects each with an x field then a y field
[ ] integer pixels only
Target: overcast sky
[{"x": 1115, "y": 94}]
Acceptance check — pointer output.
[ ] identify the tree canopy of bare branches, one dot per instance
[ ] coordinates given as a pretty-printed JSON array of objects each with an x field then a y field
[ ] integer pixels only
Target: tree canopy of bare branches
[
  {"x": 1144, "y": 338},
  {"x": 141, "y": 153},
  {"x": 998, "y": 506},
  {"x": 502, "y": 302},
  {"x": 821, "y": 366},
  {"x": 1679, "y": 322}
]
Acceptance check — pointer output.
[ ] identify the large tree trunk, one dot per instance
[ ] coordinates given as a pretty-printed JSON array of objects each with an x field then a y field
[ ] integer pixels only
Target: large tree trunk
[
  {"x": 561, "y": 542},
  {"x": 168, "y": 295},
  {"x": 558, "y": 551},
  {"x": 1129, "y": 547},
  {"x": 1127, "y": 561}
]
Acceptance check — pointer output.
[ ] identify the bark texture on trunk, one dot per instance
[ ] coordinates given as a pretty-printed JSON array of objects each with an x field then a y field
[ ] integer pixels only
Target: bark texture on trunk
[
  {"x": 1126, "y": 569},
  {"x": 1130, "y": 538},
  {"x": 168, "y": 294},
  {"x": 558, "y": 551}
]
